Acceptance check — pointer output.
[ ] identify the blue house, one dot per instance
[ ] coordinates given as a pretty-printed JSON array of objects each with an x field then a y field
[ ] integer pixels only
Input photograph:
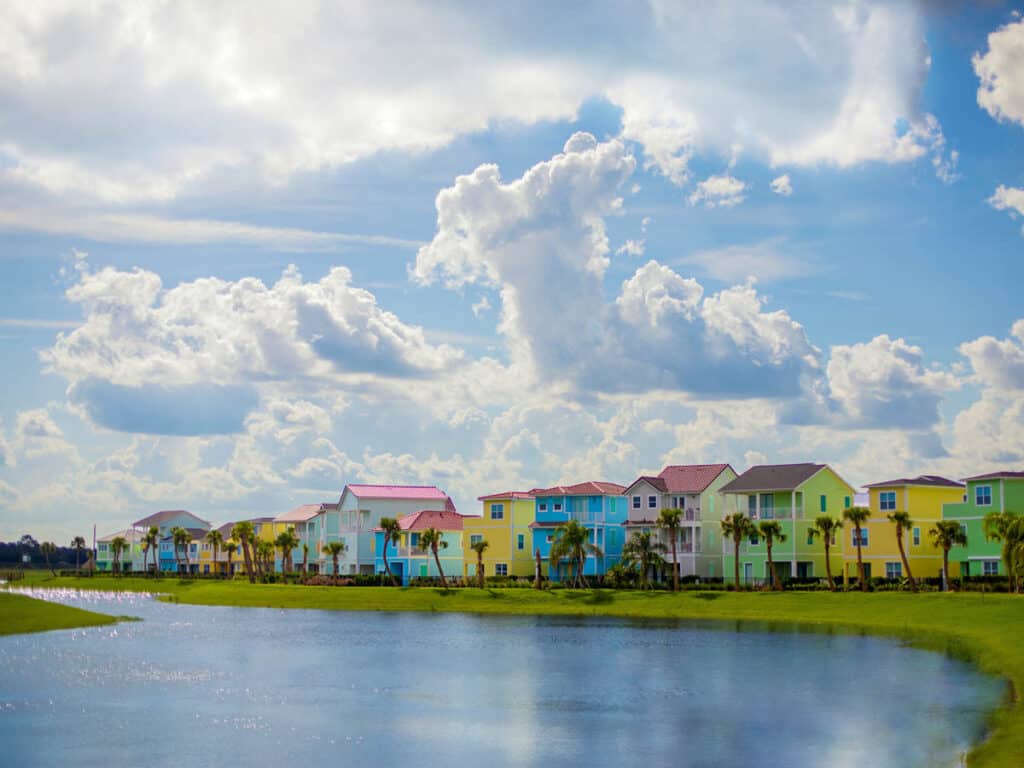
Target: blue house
[
  {"x": 165, "y": 522},
  {"x": 599, "y": 506}
]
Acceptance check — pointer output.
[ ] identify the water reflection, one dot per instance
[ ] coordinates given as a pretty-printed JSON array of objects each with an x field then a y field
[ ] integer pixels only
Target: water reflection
[{"x": 211, "y": 685}]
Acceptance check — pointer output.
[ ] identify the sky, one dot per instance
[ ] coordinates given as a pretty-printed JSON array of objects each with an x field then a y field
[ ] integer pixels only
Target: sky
[{"x": 250, "y": 253}]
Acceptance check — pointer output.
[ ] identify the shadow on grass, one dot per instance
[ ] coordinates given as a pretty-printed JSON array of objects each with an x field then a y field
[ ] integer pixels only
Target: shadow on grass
[
  {"x": 706, "y": 595},
  {"x": 445, "y": 592},
  {"x": 590, "y": 597}
]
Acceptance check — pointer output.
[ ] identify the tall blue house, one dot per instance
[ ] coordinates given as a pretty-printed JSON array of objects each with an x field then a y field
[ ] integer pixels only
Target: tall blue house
[{"x": 599, "y": 506}]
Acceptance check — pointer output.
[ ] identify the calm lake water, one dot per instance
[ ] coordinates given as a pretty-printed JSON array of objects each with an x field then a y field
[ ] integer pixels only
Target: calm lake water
[{"x": 240, "y": 686}]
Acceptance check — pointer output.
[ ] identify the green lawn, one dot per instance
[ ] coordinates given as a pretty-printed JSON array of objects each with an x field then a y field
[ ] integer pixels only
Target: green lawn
[
  {"x": 24, "y": 614},
  {"x": 987, "y": 629}
]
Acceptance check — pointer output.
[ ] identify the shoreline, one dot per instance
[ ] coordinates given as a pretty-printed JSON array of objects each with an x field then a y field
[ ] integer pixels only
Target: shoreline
[{"x": 984, "y": 630}]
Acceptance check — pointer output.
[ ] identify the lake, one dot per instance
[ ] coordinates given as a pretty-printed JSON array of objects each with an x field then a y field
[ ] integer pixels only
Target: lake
[{"x": 196, "y": 685}]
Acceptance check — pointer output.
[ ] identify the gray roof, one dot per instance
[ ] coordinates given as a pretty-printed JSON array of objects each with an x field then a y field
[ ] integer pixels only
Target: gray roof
[
  {"x": 159, "y": 518},
  {"x": 772, "y": 477}
]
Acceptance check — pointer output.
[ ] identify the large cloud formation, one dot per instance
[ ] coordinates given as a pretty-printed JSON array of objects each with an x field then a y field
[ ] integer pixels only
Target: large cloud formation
[
  {"x": 145, "y": 356},
  {"x": 139, "y": 102}
]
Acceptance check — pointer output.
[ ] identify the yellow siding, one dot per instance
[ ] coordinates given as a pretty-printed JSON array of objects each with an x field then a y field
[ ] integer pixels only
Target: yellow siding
[
  {"x": 924, "y": 504},
  {"x": 502, "y": 535}
]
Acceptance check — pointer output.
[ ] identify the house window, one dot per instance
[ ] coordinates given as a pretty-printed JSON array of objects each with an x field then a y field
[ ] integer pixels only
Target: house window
[
  {"x": 636, "y": 502},
  {"x": 497, "y": 511},
  {"x": 963, "y": 530},
  {"x": 752, "y": 507},
  {"x": 983, "y": 495},
  {"x": 501, "y": 569},
  {"x": 887, "y": 501},
  {"x": 753, "y": 541},
  {"x": 810, "y": 537},
  {"x": 475, "y": 538},
  {"x": 543, "y": 507},
  {"x": 989, "y": 567},
  {"x": 846, "y": 502},
  {"x": 894, "y": 570},
  {"x": 863, "y": 537},
  {"x": 414, "y": 540},
  {"x": 823, "y": 502},
  {"x": 550, "y": 538},
  {"x": 520, "y": 541},
  {"x": 102, "y": 547},
  {"x": 558, "y": 506},
  {"x": 652, "y": 502},
  {"x": 917, "y": 537}
]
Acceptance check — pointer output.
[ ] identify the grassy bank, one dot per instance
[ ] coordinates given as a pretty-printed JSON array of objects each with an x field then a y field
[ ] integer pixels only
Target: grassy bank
[
  {"x": 987, "y": 629},
  {"x": 20, "y": 614}
]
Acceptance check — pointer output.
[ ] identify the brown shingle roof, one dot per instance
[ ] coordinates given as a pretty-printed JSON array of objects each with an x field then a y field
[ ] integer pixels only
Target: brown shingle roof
[
  {"x": 684, "y": 478},
  {"x": 997, "y": 475},
  {"x": 772, "y": 477},
  {"x": 589, "y": 488},
  {"x": 929, "y": 480}
]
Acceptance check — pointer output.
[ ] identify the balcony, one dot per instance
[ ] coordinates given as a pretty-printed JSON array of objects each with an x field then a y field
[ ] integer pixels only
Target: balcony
[{"x": 776, "y": 513}]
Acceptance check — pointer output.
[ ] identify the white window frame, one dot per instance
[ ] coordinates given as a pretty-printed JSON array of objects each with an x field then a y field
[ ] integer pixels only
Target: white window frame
[
  {"x": 475, "y": 538},
  {"x": 497, "y": 511},
  {"x": 894, "y": 570},
  {"x": 916, "y": 536},
  {"x": 557, "y": 506},
  {"x": 637, "y": 504},
  {"x": 884, "y": 501},
  {"x": 652, "y": 502},
  {"x": 977, "y": 490},
  {"x": 501, "y": 569},
  {"x": 542, "y": 506},
  {"x": 863, "y": 537},
  {"x": 520, "y": 541},
  {"x": 986, "y": 564}
]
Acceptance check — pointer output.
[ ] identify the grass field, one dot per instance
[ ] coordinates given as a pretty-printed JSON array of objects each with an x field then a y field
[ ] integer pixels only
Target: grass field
[
  {"x": 986, "y": 629},
  {"x": 20, "y": 614}
]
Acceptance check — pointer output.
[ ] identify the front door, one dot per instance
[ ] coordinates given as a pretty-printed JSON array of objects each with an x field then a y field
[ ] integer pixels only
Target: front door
[
  {"x": 748, "y": 572},
  {"x": 804, "y": 570}
]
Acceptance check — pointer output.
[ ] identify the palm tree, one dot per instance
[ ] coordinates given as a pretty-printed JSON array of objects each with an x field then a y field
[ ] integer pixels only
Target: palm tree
[
  {"x": 669, "y": 520},
  {"x": 480, "y": 547},
  {"x": 287, "y": 541},
  {"x": 48, "y": 548},
  {"x": 152, "y": 539},
  {"x": 903, "y": 523},
  {"x": 572, "y": 543},
  {"x": 118, "y": 545},
  {"x": 216, "y": 540},
  {"x": 243, "y": 532},
  {"x": 265, "y": 549},
  {"x": 946, "y": 534},
  {"x": 771, "y": 530},
  {"x": 79, "y": 544},
  {"x": 230, "y": 548},
  {"x": 858, "y": 516},
  {"x": 182, "y": 538},
  {"x": 433, "y": 540},
  {"x": 305, "y": 558},
  {"x": 826, "y": 527},
  {"x": 392, "y": 535},
  {"x": 737, "y": 527},
  {"x": 1008, "y": 528},
  {"x": 644, "y": 553},
  {"x": 334, "y": 549},
  {"x": 538, "y": 581}
]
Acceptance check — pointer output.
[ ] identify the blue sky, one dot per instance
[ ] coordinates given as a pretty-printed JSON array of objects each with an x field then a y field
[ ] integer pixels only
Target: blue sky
[{"x": 249, "y": 257}]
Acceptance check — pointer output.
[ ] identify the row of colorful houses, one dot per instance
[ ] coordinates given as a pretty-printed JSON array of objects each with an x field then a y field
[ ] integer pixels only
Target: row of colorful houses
[{"x": 520, "y": 525}]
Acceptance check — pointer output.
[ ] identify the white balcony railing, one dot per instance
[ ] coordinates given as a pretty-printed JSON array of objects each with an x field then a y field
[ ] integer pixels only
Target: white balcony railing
[{"x": 776, "y": 513}]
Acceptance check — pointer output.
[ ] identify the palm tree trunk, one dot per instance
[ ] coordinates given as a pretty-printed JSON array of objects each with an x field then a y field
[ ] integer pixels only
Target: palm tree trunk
[
  {"x": 387, "y": 565},
  {"x": 335, "y": 558},
  {"x": 537, "y": 583},
  {"x": 480, "y": 568},
  {"x": 675, "y": 563},
  {"x": 860, "y": 564},
  {"x": 444, "y": 582},
  {"x": 771, "y": 565},
  {"x": 945, "y": 569},
  {"x": 828, "y": 565},
  {"x": 736, "y": 561},
  {"x": 903, "y": 557},
  {"x": 247, "y": 555}
]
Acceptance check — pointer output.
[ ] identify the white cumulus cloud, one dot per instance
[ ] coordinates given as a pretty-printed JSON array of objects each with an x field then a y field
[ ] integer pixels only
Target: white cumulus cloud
[
  {"x": 721, "y": 190},
  {"x": 1001, "y": 72},
  {"x": 781, "y": 185}
]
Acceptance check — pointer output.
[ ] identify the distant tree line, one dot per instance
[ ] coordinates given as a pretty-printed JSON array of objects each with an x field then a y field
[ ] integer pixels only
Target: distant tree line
[{"x": 12, "y": 552}]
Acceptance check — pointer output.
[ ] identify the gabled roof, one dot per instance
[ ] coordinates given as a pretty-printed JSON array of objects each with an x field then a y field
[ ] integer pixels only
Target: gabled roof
[
  {"x": 395, "y": 491},
  {"x": 772, "y": 477},
  {"x": 652, "y": 480},
  {"x": 997, "y": 475},
  {"x": 684, "y": 478},
  {"x": 589, "y": 488},
  {"x": 159, "y": 518},
  {"x": 303, "y": 513},
  {"x": 198, "y": 534},
  {"x": 505, "y": 495},
  {"x": 928, "y": 480},
  {"x": 442, "y": 520},
  {"x": 129, "y": 534}
]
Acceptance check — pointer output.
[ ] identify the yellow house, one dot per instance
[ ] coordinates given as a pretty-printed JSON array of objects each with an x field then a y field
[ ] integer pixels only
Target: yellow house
[
  {"x": 922, "y": 498},
  {"x": 505, "y": 526}
]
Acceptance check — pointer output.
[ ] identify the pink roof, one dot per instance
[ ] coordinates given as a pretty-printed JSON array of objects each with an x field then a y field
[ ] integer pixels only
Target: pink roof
[
  {"x": 430, "y": 518},
  {"x": 396, "y": 491},
  {"x": 589, "y": 488},
  {"x": 505, "y": 495},
  {"x": 684, "y": 478}
]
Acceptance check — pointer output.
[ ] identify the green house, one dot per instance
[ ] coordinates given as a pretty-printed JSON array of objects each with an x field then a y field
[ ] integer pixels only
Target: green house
[
  {"x": 991, "y": 492},
  {"x": 793, "y": 494}
]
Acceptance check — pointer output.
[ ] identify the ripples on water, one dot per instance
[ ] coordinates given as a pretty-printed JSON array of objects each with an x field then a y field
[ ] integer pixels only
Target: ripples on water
[{"x": 227, "y": 686}]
